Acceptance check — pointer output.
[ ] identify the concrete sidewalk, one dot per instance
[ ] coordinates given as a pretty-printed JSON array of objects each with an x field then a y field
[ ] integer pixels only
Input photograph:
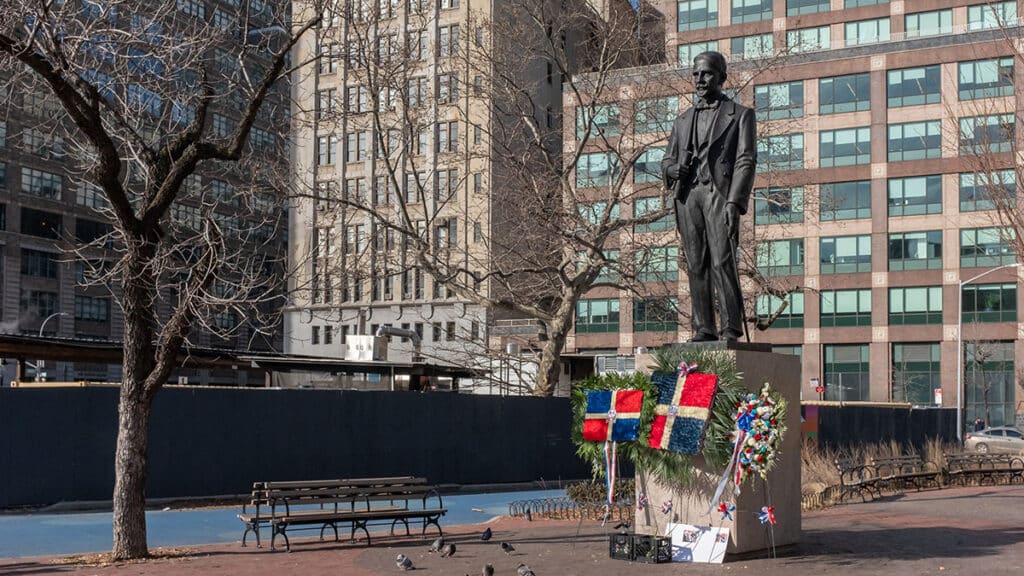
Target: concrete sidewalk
[{"x": 970, "y": 531}]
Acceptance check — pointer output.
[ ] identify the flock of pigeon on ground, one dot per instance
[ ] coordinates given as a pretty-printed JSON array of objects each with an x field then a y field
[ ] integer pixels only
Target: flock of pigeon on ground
[{"x": 447, "y": 550}]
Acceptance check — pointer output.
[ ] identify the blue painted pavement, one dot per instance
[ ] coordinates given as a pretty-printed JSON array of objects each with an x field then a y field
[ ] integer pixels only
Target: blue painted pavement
[{"x": 79, "y": 533}]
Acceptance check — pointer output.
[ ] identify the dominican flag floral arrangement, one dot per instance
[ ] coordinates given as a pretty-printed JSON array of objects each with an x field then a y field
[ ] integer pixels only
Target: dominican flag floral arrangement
[
  {"x": 681, "y": 415},
  {"x": 612, "y": 416}
]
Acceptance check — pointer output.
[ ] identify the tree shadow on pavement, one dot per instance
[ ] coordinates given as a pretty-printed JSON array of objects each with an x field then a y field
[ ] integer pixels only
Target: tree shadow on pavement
[{"x": 916, "y": 543}]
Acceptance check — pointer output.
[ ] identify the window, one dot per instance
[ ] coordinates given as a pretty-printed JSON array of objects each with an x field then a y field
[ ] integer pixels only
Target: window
[
  {"x": 986, "y": 78},
  {"x": 325, "y": 105},
  {"x": 981, "y": 134},
  {"x": 781, "y": 257},
  {"x": 595, "y": 212},
  {"x": 793, "y": 350},
  {"x": 448, "y": 4},
  {"x": 983, "y": 247},
  {"x": 195, "y": 8},
  {"x": 915, "y": 196},
  {"x": 447, "y": 185},
  {"x": 845, "y": 308},
  {"x": 991, "y": 15},
  {"x": 867, "y": 32},
  {"x": 917, "y": 305},
  {"x": 601, "y": 120},
  {"x": 989, "y": 303},
  {"x": 846, "y": 147},
  {"x": 478, "y": 232},
  {"x": 609, "y": 272},
  {"x": 792, "y": 316},
  {"x": 356, "y": 99},
  {"x": 915, "y": 250},
  {"x": 597, "y": 316},
  {"x": 418, "y": 44},
  {"x": 644, "y": 206},
  {"x": 697, "y": 14},
  {"x": 655, "y": 115},
  {"x": 929, "y": 23},
  {"x": 809, "y": 39},
  {"x": 38, "y": 264},
  {"x": 655, "y": 315},
  {"x": 326, "y": 150},
  {"x": 845, "y": 200},
  {"x": 89, "y": 309},
  {"x": 447, "y": 89},
  {"x": 751, "y": 11},
  {"x": 798, "y": 7},
  {"x": 143, "y": 100},
  {"x": 449, "y": 331},
  {"x": 687, "y": 52},
  {"x": 448, "y": 41},
  {"x": 779, "y": 101},
  {"x": 915, "y": 141},
  {"x": 914, "y": 86},
  {"x": 986, "y": 190},
  {"x": 915, "y": 372},
  {"x": 40, "y": 184},
  {"x": 753, "y": 47},
  {"x": 596, "y": 169},
  {"x": 40, "y": 223},
  {"x": 40, "y": 143},
  {"x": 783, "y": 152},
  {"x": 648, "y": 166},
  {"x": 356, "y": 146},
  {"x": 845, "y": 254},
  {"x": 859, "y": 3},
  {"x": 657, "y": 264},
  {"x": 841, "y": 94},
  {"x": 778, "y": 205},
  {"x": 846, "y": 371},
  {"x": 40, "y": 305},
  {"x": 478, "y": 183},
  {"x": 418, "y": 91},
  {"x": 989, "y": 380},
  {"x": 90, "y": 230},
  {"x": 447, "y": 137}
]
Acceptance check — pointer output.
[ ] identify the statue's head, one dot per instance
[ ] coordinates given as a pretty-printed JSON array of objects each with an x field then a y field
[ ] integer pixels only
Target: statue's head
[{"x": 709, "y": 74}]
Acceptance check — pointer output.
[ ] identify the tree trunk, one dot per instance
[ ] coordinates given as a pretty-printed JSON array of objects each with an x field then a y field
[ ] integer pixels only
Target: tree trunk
[
  {"x": 130, "y": 456},
  {"x": 550, "y": 369},
  {"x": 130, "y": 475}
]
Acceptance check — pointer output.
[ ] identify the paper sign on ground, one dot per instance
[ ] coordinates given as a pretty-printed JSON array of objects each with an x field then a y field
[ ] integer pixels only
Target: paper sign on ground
[{"x": 704, "y": 544}]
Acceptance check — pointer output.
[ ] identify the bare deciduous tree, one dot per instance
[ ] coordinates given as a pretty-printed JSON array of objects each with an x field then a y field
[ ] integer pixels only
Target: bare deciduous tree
[{"x": 145, "y": 97}]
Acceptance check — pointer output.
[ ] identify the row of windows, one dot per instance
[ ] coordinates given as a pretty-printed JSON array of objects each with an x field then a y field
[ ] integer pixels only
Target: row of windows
[
  {"x": 838, "y": 308},
  {"x": 359, "y": 145},
  {"x": 702, "y": 14},
  {"x": 979, "y": 248},
  {"x": 910, "y": 196}
]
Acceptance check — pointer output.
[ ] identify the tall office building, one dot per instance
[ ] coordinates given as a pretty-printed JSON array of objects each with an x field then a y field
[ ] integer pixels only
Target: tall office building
[
  {"x": 886, "y": 134},
  {"x": 47, "y": 209},
  {"x": 399, "y": 116}
]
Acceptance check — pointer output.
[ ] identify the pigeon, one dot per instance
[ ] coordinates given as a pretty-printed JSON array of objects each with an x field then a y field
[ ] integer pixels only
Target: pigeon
[
  {"x": 448, "y": 550},
  {"x": 437, "y": 545},
  {"x": 487, "y": 571},
  {"x": 508, "y": 548},
  {"x": 486, "y": 535},
  {"x": 524, "y": 570},
  {"x": 403, "y": 562}
]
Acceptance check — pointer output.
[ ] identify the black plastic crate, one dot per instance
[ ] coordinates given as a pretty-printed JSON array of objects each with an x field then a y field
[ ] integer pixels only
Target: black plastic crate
[
  {"x": 652, "y": 549},
  {"x": 620, "y": 546}
]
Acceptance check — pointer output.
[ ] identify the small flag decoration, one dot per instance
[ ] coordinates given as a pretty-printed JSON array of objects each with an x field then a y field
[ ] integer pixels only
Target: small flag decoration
[{"x": 613, "y": 415}]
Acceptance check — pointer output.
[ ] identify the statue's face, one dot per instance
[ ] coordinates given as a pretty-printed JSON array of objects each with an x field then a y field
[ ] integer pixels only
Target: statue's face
[{"x": 707, "y": 80}]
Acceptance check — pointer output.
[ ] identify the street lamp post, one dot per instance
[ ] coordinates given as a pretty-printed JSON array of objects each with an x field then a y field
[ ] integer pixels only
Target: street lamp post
[
  {"x": 39, "y": 363},
  {"x": 960, "y": 345}
]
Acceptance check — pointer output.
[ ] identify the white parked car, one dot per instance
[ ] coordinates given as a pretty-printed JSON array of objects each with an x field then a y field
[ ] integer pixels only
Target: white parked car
[{"x": 1004, "y": 439}]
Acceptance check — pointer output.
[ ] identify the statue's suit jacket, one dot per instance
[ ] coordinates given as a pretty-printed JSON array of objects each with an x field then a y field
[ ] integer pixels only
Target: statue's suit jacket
[{"x": 732, "y": 155}]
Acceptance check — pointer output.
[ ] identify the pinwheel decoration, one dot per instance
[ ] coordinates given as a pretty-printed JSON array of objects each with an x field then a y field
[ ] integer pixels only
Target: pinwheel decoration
[
  {"x": 726, "y": 510},
  {"x": 767, "y": 515}
]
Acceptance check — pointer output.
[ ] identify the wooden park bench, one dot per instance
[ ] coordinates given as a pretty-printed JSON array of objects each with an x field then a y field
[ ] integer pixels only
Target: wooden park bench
[
  {"x": 856, "y": 478},
  {"x": 357, "y": 502},
  {"x": 900, "y": 471},
  {"x": 987, "y": 468}
]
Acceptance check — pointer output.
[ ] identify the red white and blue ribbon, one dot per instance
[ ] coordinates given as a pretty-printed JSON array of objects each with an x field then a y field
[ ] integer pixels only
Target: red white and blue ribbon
[
  {"x": 666, "y": 507},
  {"x": 726, "y": 510},
  {"x": 767, "y": 515},
  {"x": 641, "y": 501},
  {"x": 610, "y": 466}
]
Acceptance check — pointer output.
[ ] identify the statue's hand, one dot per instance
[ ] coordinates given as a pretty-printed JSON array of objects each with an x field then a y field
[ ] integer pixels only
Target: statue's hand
[
  {"x": 677, "y": 172},
  {"x": 732, "y": 218}
]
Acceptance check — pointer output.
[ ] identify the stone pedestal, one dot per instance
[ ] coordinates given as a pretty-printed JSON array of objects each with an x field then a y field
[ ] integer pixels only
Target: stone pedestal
[{"x": 782, "y": 489}]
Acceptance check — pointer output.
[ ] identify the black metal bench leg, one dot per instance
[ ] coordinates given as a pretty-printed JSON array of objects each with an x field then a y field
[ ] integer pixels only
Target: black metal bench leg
[
  {"x": 356, "y": 525},
  {"x": 248, "y": 527},
  {"x": 403, "y": 521},
  {"x": 436, "y": 521}
]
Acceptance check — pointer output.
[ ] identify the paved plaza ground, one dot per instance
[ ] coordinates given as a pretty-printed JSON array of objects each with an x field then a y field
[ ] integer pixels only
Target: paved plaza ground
[{"x": 975, "y": 531}]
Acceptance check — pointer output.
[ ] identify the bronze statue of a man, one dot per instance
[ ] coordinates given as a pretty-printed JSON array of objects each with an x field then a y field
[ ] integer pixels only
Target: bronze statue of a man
[{"x": 709, "y": 165}]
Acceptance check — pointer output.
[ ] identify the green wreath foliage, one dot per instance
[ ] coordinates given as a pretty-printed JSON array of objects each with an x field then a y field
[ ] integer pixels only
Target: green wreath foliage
[{"x": 670, "y": 467}]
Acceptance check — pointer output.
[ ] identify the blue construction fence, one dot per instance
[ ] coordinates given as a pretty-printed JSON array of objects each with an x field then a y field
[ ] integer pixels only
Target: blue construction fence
[{"x": 58, "y": 444}]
